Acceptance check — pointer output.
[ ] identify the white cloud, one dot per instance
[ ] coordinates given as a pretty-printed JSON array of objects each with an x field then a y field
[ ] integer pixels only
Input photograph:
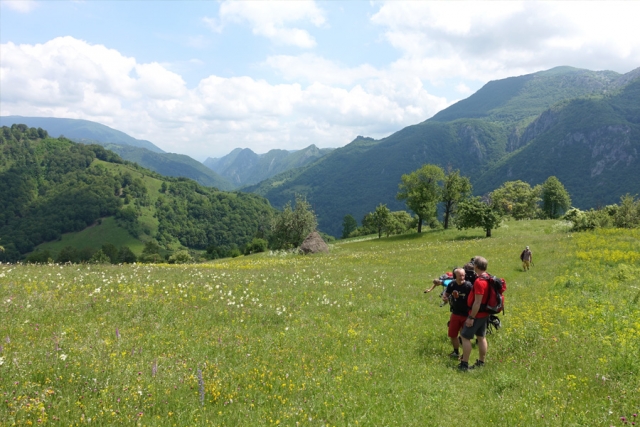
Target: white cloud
[
  {"x": 271, "y": 19},
  {"x": 313, "y": 68},
  {"x": 66, "y": 77},
  {"x": 22, "y": 6},
  {"x": 488, "y": 40}
]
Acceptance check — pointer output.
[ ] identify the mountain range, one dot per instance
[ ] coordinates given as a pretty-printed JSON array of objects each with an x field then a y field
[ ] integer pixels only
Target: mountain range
[
  {"x": 244, "y": 167},
  {"x": 579, "y": 125},
  {"x": 582, "y": 126}
]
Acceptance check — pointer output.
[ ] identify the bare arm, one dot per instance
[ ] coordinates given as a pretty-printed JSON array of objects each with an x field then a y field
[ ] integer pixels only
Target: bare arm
[{"x": 436, "y": 282}]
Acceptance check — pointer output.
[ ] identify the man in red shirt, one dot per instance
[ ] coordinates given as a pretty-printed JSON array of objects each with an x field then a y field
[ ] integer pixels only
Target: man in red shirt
[{"x": 476, "y": 323}]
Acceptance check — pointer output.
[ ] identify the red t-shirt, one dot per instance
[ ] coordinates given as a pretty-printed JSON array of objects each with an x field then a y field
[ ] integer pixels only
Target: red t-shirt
[{"x": 480, "y": 289}]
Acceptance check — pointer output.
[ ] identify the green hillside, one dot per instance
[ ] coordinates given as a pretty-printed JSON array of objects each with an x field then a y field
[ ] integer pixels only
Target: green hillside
[
  {"x": 517, "y": 120},
  {"x": 170, "y": 164},
  {"x": 140, "y": 151},
  {"x": 590, "y": 144},
  {"x": 80, "y": 131},
  {"x": 51, "y": 187}
]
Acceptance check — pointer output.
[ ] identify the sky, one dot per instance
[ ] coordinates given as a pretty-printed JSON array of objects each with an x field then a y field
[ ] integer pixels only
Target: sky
[{"x": 204, "y": 77}]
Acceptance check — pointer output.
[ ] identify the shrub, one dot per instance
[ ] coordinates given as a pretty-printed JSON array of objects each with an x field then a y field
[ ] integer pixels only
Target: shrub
[
  {"x": 180, "y": 257},
  {"x": 256, "y": 246}
]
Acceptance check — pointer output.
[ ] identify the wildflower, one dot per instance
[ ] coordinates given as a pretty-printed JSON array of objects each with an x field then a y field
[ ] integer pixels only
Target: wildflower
[
  {"x": 1, "y": 361},
  {"x": 63, "y": 357},
  {"x": 117, "y": 333}
]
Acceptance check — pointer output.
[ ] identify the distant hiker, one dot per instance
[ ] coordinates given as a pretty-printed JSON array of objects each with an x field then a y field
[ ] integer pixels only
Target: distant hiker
[
  {"x": 476, "y": 322},
  {"x": 527, "y": 258},
  {"x": 456, "y": 294},
  {"x": 443, "y": 281}
]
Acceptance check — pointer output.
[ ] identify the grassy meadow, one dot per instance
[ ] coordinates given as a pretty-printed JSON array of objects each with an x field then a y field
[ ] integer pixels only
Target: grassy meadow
[{"x": 343, "y": 339}]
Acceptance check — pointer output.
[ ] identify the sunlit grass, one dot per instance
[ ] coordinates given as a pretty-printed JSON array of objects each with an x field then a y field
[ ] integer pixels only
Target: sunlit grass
[{"x": 346, "y": 338}]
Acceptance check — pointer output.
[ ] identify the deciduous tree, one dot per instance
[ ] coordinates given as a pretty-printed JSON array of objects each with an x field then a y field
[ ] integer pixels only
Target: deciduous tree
[
  {"x": 421, "y": 190},
  {"x": 455, "y": 189},
  {"x": 516, "y": 199},
  {"x": 555, "y": 198},
  {"x": 349, "y": 225},
  {"x": 476, "y": 213},
  {"x": 293, "y": 225}
]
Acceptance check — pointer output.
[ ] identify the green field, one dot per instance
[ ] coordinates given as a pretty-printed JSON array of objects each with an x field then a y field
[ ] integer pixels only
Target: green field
[
  {"x": 107, "y": 231},
  {"x": 343, "y": 339}
]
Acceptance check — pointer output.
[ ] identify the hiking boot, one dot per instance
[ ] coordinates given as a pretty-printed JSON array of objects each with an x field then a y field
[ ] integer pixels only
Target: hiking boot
[
  {"x": 454, "y": 355},
  {"x": 463, "y": 366},
  {"x": 478, "y": 364}
]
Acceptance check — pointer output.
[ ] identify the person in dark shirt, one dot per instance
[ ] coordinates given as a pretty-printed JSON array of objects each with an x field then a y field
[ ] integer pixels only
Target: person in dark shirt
[{"x": 456, "y": 294}]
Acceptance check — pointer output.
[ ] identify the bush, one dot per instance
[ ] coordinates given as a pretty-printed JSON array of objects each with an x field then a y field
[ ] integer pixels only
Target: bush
[
  {"x": 100, "y": 258},
  {"x": 67, "y": 254},
  {"x": 256, "y": 246},
  {"x": 39, "y": 257},
  {"x": 180, "y": 257}
]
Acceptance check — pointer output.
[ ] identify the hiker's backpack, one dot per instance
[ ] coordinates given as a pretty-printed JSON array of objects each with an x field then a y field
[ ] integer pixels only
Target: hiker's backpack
[
  {"x": 522, "y": 256},
  {"x": 495, "y": 298},
  {"x": 446, "y": 278}
]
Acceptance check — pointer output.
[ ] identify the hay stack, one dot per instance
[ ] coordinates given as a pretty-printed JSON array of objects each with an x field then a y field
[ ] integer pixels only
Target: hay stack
[{"x": 313, "y": 244}]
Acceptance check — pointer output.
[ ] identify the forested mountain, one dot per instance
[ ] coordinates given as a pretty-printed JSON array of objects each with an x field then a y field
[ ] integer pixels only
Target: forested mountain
[
  {"x": 171, "y": 164},
  {"x": 84, "y": 131},
  {"x": 579, "y": 125},
  {"x": 140, "y": 151},
  {"x": 244, "y": 167},
  {"x": 50, "y": 186}
]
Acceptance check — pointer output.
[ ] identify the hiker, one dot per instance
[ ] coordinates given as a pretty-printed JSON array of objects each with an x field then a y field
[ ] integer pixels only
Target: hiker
[
  {"x": 527, "y": 258},
  {"x": 469, "y": 272},
  {"x": 443, "y": 281},
  {"x": 476, "y": 322},
  {"x": 456, "y": 294}
]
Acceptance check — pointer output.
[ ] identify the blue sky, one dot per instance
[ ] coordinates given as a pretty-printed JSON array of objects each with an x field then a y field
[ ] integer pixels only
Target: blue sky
[{"x": 204, "y": 77}]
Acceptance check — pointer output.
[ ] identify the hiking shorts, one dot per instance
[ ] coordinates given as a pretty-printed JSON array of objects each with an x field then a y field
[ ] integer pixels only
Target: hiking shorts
[
  {"x": 479, "y": 329},
  {"x": 455, "y": 324}
]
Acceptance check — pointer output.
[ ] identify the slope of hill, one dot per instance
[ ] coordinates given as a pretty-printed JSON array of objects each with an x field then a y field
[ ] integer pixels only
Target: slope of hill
[
  {"x": 84, "y": 131},
  {"x": 171, "y": 164},
  {"x": 51, "y": 186},
  {"x": 592, "y": 145},
  {"x": 140, "y": 151},
  {"x": 244, "y": 167},
  {"x": 473, "y": 135}
]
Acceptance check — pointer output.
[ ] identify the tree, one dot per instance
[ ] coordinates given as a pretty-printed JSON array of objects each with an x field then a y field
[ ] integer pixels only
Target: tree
[
  {"x": 379, "y": 219},
  {"x": 126, "y": 255},
  {"x": 516, "y": 199},
  {"x": 555, "y": 198},
  {"x": 628, "y": 213},
  {"x": 455, "y": 189},
  {"x": 421, "y": 191},
  {"x": 399, "y": 222},
  {"x": 111, "y": 251},
  {"x": 475, "y": 213},
  {"x": 292, "y": 226},
  {"x": 349, "y": 225},
  {"x": 67, "y": 254}
]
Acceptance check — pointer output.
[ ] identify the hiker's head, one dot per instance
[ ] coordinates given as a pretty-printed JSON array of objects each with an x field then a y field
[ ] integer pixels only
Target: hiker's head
[
  {"x": 459, "y": 275},
  {"x": 527, "y": 248},
  {"x": 480, "y": 264}
]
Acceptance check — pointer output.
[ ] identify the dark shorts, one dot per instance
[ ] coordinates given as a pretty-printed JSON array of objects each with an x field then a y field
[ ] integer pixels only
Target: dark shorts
[
  {"x": 455, "y": 324},
  {"x": 479, "y": 329}
]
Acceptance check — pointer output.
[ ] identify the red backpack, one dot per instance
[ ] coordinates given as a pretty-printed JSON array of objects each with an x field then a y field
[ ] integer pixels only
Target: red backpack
[{"x": 494, "y": 302}]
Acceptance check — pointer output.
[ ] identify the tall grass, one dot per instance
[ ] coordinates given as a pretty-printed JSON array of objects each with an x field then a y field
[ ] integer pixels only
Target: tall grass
[{"x": 347, "y": 338}]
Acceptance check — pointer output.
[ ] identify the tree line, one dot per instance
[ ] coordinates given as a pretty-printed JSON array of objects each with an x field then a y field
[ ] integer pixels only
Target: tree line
[{"x": 430, "y": 187}]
